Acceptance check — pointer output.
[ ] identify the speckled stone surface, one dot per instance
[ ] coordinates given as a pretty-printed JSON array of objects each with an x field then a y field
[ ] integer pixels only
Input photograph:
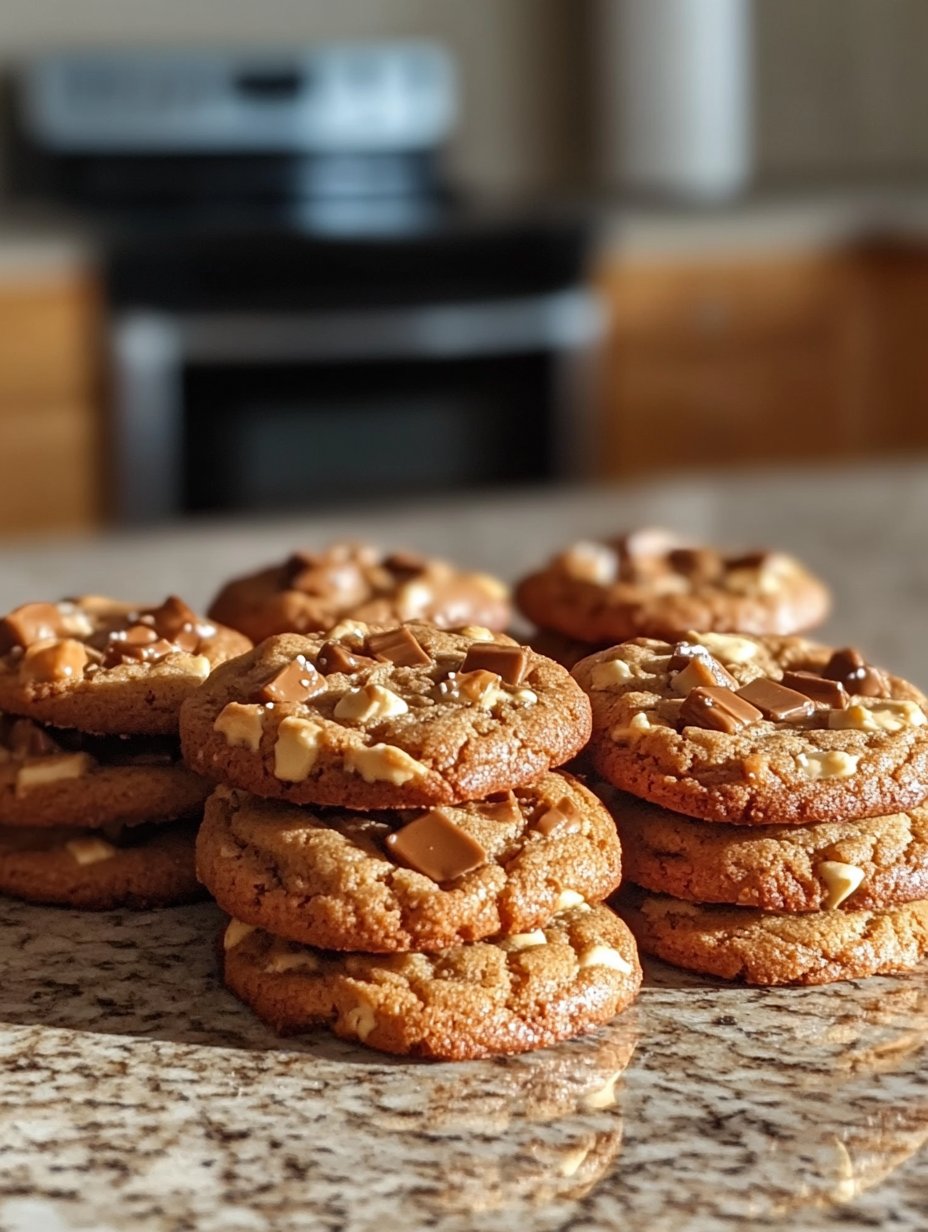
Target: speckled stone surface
[{"x": 137, "y": 1094}]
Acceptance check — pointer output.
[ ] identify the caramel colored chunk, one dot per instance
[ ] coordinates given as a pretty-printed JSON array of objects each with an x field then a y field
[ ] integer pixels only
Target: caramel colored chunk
[
  {"x": 177, "y": 623},
  {"x": 776, "y": 702},
  {"x": 823, "y": 692},
  {"x": 64, "y": 660},
  {"x": 398, "y": 646},
  {"x": 850, "y": 668},
  {"x": 683, "y": 654},
  {"x": 702, "y": 670},
  {"x": 436, "y": 847},
  {"x": 509, "y": 662},
  {"x": 297, "y": 682},
  {"x": 333, "y": 658},
  {"x": 405, "y": 564},
  {"x": 137, "y": 644},
  {"x": 561, "y": 818},
  {"x": 502, "y": 807},
  {"x": 748, "y": 560},
  {"x": 698, "y": 564},
  {"x": 32, "y": 622},
  {"x": 717, "y": 709}
]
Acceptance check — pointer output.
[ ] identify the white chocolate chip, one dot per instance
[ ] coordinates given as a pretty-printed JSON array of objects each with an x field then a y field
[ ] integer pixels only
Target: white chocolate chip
[
  {"x": 604, "y": 1096},
  {"x": 199, "y": 666},
  {"x": 590, "y": 562},
  {"x": 604, "y": 956},
  {"x": 879, "y": 715},
  {"x": 478, "y": 633},
  {"x": 282, "y": 960},
  {"x": 568, "y": 898},
  {"x": 609, "y": 674},
  {"x": 227, "y": 851},
  {"x": 351, "y": 632},
  {"x": 726, "y": 647},
  {"x": 360, "y": 1020},
  {"x": 632, "y": 731},
  {"x": 573, "y": 1161},
  {"x": 51, "y": 769},
  {"x": 841, "y": 880},
  {"x": 526, "y": 941},
  {"x": 834, "y": 764},
  {"x": 369, "y": 704},
  {"x": 236, "y": 931},
  {"x": 520, "y": 696},
  {"x": 241, "y": 725},
  {"x": 296, "y": 748},
  {"x": 491, "y": 586},
  {"x": 413, "y": 599},
  {"x": 383, "y": 763},
  {"x": 90, "y": 850}
]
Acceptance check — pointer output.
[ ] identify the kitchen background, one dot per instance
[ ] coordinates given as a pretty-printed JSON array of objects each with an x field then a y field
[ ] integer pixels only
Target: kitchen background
[{"x": 300, "y": 253}]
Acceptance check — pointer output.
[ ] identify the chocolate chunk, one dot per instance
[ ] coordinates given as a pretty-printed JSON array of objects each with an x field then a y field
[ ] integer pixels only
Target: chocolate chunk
[
  {"x": 398, "y": 646},
  {"x": 560, "y": 818},
  {"x": 177, "y": 623},
  {"x": 853, "y": 671},
  {"x": 698, "y": 564},
  {"x": 702, "y": 670},
  {"x": 435, "y": 846},
  {"x": 297, "y": 682},
  {"x": 501, "y": 807},
  {"x": 777, "y": 702},
  {"x": 718, "y": 710},
  {"x": 823, "y": 692},
  {"x": 405, "y": 565},
  {"x": 137, "y": 644},
  {"x": 684, "y": 653},
  {"x": 333, "y": 657},
  {"x": 32, "y": 622},
  {"x": 509, "y": 662},
  {"x": 747, "y": 560}
]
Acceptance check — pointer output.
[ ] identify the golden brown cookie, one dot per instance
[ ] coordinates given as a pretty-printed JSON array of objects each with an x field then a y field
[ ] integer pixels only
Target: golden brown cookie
[
  {"x": 756, "y": 730},
  {"x": 368, "y": 719},
  {"x": 470, "y": 1001},
  {"x": 61, "y": 777},
  {"x": 423, "y": 880},
  {"x": 564, "y": 650},
  {"x": 858, "y": 865},
  {"x": 312, "y": 591},
  {"x": 103, "y": 666},
  {"x": 138, "y": 867},
  {"x": 767, "y": 947},
  {"x": 651, "y": 583}
]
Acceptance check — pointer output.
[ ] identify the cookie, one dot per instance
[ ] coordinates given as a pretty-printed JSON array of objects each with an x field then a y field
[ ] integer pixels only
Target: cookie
[
  {"x": 855, "y": 865},
  {"x": 756, "y": 730},
  {"x": 108, "y": 667},
  {"x": 653, "y": 584},
  {"x": 367, "y": 719},
  {"x": 408, "y": 881},
  {"x": 61, "y": 777},
  {"x": 469, "y": 1001},
  {"x": 564, "y": 650},
  {"x": 767, "y": 947},
  {"x": 312, "y": 591},
  {"x": 139, "y": 867}
]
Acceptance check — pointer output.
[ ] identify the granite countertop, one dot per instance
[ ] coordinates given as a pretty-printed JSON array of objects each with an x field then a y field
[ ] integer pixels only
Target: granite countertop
[{"x": 138, "y": 1094}]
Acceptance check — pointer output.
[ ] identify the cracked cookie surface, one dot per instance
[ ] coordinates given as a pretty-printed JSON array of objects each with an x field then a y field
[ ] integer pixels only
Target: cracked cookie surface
[
  {"x": 653, "y": 584},
  {"x": 468, "y": 1001},
  {"x": 852, "y": 865},
  {"x": 764, "y": 947},
  {"x": 766, "y": 771},
  {"x": 103, "y": 666},
  {"x": 312, "y": 591},
  {"x": 449, "y": 718},
  {"x": 328, "y": 878},
  {"x": 94, "y": 870}
]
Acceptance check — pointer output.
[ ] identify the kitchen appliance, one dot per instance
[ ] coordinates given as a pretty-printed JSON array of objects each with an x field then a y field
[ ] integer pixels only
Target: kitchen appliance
[{"x": 302, "y": 308}]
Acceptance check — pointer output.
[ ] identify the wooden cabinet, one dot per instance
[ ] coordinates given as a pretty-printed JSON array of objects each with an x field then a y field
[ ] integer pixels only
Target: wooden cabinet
[
  {"x": 50, "y": 446},
  {"x": 724, "y": 361}
]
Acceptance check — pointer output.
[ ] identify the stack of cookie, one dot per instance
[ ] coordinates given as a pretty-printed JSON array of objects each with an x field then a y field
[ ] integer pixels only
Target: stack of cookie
[
  {"x": 780, "y": 833},
  {"x": 652, "y": 583},
  {"x": 398, "y": 858},
  {"x": 312, "y": 591},
  {"x": 96, "y": 808}
]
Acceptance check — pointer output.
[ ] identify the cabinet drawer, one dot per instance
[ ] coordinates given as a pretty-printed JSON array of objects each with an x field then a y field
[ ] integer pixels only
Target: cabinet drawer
[
  {"x": 49, "y": 467},
  {"x": 49, "y": 341}
]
